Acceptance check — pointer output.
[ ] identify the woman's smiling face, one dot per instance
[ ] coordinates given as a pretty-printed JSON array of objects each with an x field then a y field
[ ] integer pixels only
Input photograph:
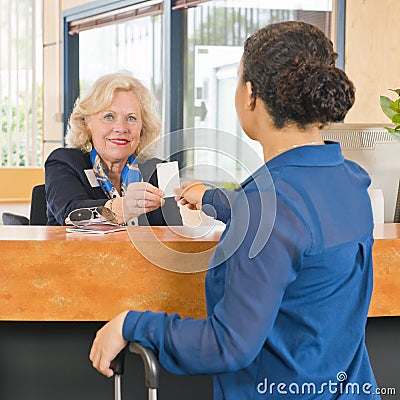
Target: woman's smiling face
[{"x": 116, "y": 131}]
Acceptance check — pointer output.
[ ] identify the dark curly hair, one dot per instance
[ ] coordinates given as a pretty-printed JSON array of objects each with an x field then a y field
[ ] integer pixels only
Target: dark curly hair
[{"x": 291, "y": 66}]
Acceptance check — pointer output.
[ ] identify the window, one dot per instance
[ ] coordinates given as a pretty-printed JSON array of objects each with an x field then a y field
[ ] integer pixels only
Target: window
[
  {"x": 21, "y": 83},
  {"x": 216, "y": 31},
  {"x": 132, "y": 45},
  {"x": 187, "y": 52},
  {"x": 120, "y": 38}
]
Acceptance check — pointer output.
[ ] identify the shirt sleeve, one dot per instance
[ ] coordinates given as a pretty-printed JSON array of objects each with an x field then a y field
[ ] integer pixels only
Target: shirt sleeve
[
  {"x": 241, "y": 320},
  {"x": 217, "y": 203},
  {"x": 65, "y": 191}
]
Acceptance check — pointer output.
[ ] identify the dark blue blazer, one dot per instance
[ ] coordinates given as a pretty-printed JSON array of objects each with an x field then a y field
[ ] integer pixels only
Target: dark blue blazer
[{"x": 68, "y": 188}]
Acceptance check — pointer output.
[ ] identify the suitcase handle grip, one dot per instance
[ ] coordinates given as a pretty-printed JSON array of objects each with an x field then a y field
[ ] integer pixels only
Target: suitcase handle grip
[
  {"x": 118, "y": 364},
  {"x": 151, "y": 365}
]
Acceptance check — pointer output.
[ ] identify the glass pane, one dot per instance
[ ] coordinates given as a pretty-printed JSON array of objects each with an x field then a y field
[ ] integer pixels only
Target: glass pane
[
  {"x": 216, "y": 31},
  {"x": 135, "y": 46},
  {"x": 21, "y": 46}
]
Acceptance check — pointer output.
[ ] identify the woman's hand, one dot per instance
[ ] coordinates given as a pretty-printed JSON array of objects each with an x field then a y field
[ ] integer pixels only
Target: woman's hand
[
  {"x": 107, "y": 345},
  {"x": 115, "y": 205},
  {"x": 141, "y": 198},
  {"x": 190, "y": 194}
]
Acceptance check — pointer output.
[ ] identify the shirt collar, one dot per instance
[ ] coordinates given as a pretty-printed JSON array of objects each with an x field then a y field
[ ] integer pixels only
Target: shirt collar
[{"x": 327, "y": 155}]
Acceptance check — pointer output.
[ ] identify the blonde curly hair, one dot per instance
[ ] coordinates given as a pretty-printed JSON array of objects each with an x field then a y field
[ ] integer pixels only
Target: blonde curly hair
[{"x": 99, "y": 97}]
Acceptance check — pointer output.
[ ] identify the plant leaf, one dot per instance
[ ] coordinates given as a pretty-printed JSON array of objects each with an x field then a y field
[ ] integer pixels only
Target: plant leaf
[
  {"x": 396, "y": 119},
  {"x": 396, "y": 133},
  {"x": 391, "y": 130},
  {"x": 385, "y": 106},
  {"x": 395, "y": 106},
  {"x": 396, "y": 90}
]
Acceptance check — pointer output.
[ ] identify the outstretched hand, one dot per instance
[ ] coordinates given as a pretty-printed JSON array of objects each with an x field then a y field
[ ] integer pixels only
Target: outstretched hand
[
  {"x": 190, "y": 194},
  {"x": 141, "y": 198}
]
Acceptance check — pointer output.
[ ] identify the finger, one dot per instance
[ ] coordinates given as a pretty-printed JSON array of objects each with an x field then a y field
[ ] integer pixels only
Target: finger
[
  {"x": 191, "y": 191},
  {"x": 150, "y": 196},
  {"x": 156, "y": 203},
  {"x": 149, "y": 188},
  {"x": 149, "y": 202},
  {"x": 144, "y": 197},
  {"x": 153, "y": 189},
  {"x": 101, "y": 360},
  {"x": 100, "y": 364},
  {"x": 190, "y": 206},
  {"x": 139, "y": 206},
  {"x": 178, "y": 192},
  {"x": 94, "y": 355},
  {"x": 144, "y": 187},
  {"x": 189, "y": 182},
  {"x": 148, "y": 207},
  {"x": 104, "y": 367},
  {"x": 129, "y": 212}
]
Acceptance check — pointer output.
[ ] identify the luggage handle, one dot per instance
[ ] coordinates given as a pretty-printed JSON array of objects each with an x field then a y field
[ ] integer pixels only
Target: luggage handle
[
  {"x": 151, "y": 365},
  {"x": 118, "y": 366},
  {"x": 151, "y": 369}
]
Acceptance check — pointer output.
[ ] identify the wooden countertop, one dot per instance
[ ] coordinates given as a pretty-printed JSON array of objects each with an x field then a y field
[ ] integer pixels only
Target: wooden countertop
[
  {"x": 386, "y": 255},
  {"x": 51, "y": 275}
]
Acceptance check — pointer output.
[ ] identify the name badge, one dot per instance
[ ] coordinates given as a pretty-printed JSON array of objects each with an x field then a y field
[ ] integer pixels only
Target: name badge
[{"x": 91, "y": 177}]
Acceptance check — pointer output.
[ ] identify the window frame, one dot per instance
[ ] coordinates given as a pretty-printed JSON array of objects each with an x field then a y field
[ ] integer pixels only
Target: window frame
[
  {"x": 174, "y": 26},
  {"x": 174, "y": 77}
]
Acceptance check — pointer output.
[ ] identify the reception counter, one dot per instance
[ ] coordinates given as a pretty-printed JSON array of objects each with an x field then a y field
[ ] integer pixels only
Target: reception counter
[
  {"x": 51, "y": 275},
  {"x": 56, "y": 288}
]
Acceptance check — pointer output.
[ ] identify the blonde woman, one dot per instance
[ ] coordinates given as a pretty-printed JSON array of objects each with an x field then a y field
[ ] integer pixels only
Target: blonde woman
[{"x": 108, "y": 128}]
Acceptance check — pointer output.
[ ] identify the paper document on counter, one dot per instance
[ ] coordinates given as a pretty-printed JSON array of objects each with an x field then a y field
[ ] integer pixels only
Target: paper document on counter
[{"x": 96, "y": 228}]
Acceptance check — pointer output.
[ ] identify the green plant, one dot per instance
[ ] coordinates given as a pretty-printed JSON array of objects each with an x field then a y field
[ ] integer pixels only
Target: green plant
[
  {"x": 392, "y": 110},
  {"x": 229, "y": 185}
]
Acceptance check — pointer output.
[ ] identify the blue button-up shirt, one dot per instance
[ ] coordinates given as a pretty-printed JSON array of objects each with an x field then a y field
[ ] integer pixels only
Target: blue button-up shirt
[{"x": 288, "y": 287}]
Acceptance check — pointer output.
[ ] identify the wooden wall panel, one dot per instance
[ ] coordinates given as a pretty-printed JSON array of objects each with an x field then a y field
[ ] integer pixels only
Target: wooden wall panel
[
  {"x": 66, "y": 4},
  {"x": 372, "y": 55}
]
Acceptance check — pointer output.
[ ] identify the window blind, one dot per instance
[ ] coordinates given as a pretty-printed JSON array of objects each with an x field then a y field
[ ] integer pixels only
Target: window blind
[
  {"x": 148, "y": 8},
  {"x": 179, "y": 4}
]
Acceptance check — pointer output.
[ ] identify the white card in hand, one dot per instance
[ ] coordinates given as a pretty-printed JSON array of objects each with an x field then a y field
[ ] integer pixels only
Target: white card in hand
[{"x": 168, "y": 177}]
